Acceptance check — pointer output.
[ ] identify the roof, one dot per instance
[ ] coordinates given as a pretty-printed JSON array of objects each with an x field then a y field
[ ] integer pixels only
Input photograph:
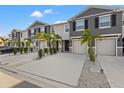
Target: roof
[
  {"x": 16, "y": 30},
  {"x": 59, "y": 23},
  {"x": 37, "y": 23},
  {"x": 96, "y": 7}
]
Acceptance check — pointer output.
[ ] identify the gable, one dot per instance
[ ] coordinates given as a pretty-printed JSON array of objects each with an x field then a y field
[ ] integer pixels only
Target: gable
[
  {"x": 37, "y": 23},
  {"x": 92, "y": 11}
]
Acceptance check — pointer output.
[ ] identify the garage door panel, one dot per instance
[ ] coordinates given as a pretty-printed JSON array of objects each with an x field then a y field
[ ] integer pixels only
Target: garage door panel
[
  {"x": 78, "y": 48},
  {"x": 106, "y": 47}
]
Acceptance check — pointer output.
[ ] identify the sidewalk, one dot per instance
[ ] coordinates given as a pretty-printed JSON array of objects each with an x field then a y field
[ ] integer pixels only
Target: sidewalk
[{"x": 7, "y": 81}]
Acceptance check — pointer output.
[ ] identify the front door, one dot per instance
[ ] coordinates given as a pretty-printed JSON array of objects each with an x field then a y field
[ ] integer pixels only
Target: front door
[{"x": 66, "y": 45}]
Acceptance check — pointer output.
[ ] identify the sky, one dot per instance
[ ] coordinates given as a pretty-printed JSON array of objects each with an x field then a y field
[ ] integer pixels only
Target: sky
[{"x": 20, "y": 16}]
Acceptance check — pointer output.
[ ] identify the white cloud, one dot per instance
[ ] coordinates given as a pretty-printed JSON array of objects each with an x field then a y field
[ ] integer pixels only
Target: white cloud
[
  {"x": 48, "y": 11},
  {"x": 37, "y": 14},
  {"x": 60, "y": 21}
]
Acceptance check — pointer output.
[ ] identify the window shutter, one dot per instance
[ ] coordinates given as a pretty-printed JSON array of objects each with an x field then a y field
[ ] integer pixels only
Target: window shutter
[
  {"x": 45, "y": 29},
  {"x": 113, "y": 20},
  {"x": 34, "y": 31},
  {"x": 39, "y": 29},
  {"x": 86, "y": 24},
  {"x": 96, "y": 22},
  {"x": 74, "y": 26},
  {"x": 29, "y": 32}
]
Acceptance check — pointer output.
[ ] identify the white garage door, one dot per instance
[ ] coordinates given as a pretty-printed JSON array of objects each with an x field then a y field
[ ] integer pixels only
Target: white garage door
[
  {"x": 106, "y": 47},
  {"x": 78, "y": 48}
]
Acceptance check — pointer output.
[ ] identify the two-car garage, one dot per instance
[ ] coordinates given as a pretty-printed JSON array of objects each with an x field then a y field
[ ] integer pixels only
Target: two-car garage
[{"x": 105, "y": 46}]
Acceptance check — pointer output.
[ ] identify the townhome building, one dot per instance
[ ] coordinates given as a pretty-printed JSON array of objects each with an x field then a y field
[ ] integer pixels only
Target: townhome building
[
  {"x": 109, "y": 22},
  {"x": 18, "y": 34},
  {"x": 62, "y": 29},
  {"x": 38, "y": 27}
]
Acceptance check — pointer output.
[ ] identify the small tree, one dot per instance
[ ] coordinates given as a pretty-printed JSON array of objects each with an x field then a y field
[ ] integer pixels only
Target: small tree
[
  {"x": 15, "y": 51},
  {"x": 28, "y": 42},
  {"x": 40, "y": 54},
  {"x": 88, "y": 37},
  {"x": 17, "y": 42},
  {"x": 55, "y": 38}
]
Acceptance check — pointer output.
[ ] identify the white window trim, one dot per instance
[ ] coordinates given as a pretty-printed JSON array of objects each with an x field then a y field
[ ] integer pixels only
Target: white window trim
[
  {"x": 84, "y": 25},
  {"x": 105, "y": 26},
  {"x": 65, "y": 28}
]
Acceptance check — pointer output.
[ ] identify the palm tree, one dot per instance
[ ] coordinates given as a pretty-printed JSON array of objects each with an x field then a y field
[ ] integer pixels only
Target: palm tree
[
  {"x": 88, "y": 37},
  {"x": 48, "y": 38},
  {"x": 28, "y": 42},
  {"x": 17, "y": 42},
  {"x": 4, "y": 40},
  {"x": 54, "y": 39},
  {"x": 41, "y": 37},
  {"x": 1, "y": 42}
]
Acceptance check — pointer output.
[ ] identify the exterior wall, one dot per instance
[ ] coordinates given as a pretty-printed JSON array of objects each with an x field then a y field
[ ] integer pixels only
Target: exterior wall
[
  {"x": 119, "y": 51},
  {"x": 31, "y": 33},
  {"x": 60, "y": 30},
  {"x": 91, "y": 25},
  {"x": 122, "y": 31},
  {"x": 24, "y": 35}
]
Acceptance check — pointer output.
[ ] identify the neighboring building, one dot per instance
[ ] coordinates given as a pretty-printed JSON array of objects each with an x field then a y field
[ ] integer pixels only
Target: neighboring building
[
  {"x": 18, "y": 34},
  {"x": 38, "y": 27},
  {"x": 62, "y": 29},
  {"x": 10, "y": 36},
  {"x": 109, "y": 22},
  {"x": 23, "y": 35}
]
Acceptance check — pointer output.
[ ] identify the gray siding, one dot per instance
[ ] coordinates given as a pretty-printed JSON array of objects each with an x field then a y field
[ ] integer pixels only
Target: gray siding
[
  {"x": 91, "y": 25},
  {"x": 120, "y": 51},
  {"x": 92, "y": 11}
]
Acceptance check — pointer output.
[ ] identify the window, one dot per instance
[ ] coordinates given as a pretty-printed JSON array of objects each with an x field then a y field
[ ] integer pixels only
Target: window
[
  {"x": 123, "y": 20},
  {"x": 80, "y": 25},
  {"x": 42, "y": 29},
  {"x": 67, "y": 28},
  {"x": 104, "y": 21}
]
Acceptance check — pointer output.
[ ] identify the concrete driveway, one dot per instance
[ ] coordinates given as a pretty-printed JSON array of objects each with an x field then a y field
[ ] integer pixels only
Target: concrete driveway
[
  {"x": 114, "y": 70},
  {"x": 62, "y": 67},
  {"x": 17, "y": 59}
]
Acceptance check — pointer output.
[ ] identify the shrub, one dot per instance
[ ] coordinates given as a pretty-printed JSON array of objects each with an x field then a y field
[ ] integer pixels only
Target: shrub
[
  {"x": 15, "y": 51},
  {"x": 40, "y": 54},
  {"x": 51, "y": 51},
  {"x": 25, "y": 50},
  {"x": 54, "y": 50},
  {"x": 21, "y": 50},
  {"x": 46, "y": 50}
]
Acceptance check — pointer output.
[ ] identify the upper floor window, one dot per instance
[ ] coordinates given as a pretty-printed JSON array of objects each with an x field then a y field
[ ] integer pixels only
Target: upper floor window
[
  {"x": 66, "y": 27},
  {"x": 105, "y": 21},
  {"x": 42, "y": 29},
  {"x": 80, "y": 25}
]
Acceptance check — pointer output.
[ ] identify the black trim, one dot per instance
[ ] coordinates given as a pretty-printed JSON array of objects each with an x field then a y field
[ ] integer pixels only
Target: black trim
[
  {"x": 74, "y": 25},
  {"x": 86, "y": 23},
  {"x": 113, "y": 20},
  {"x": 97, "y": 22},
  {"x": 45, "y": 29}
]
